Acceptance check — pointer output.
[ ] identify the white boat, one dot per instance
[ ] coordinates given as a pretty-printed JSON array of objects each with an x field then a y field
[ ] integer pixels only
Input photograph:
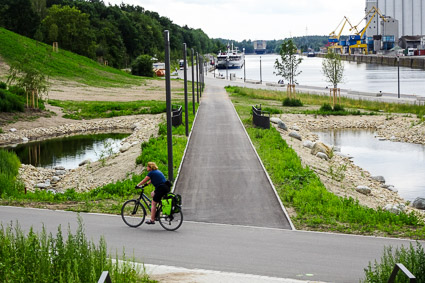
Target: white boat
[{"x": 231, "y": 59}]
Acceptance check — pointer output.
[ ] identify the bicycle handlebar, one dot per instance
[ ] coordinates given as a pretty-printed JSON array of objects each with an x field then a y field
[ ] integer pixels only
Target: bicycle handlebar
[{"x": 140, "y": 187}]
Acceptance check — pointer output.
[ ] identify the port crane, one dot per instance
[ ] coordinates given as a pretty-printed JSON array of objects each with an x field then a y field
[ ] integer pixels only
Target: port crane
[
  {"x": 357, "y": 40},
  {"x": 334, "y": 38}
]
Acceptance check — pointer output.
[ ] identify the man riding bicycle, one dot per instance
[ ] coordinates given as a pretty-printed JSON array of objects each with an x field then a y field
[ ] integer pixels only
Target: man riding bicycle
[{"x": 158, "y": 180}]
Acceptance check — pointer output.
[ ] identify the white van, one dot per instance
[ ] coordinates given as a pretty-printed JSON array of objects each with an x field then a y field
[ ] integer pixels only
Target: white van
[{"x": 411, "y": 51}]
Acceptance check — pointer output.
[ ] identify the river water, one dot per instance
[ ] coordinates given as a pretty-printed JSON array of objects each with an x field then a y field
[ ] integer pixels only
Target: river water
[
  {"x": 357, "y": 76},
  {"x": 401, "y": 164}
]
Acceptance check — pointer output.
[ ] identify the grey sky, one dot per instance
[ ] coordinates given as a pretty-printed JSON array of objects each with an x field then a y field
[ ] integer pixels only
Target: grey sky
[{"x": 256, "y": 19}]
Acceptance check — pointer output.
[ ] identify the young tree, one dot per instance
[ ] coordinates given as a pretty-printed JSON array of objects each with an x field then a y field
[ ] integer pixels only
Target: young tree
[
  {"x": 35, "y": 83},
  {"x": 288, "y": 66},
  {"x": 333, "y": 70}
]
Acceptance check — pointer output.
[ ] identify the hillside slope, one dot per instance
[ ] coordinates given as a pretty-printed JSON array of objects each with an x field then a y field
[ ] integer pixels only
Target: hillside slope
[{"x": 61, "y": 65}]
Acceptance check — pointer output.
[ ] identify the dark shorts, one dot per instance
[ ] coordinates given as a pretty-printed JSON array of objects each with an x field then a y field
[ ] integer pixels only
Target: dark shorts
[{"x": 160, "y": 191}]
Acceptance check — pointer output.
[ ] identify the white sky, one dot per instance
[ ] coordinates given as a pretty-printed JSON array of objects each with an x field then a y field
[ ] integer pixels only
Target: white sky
[{"x": 256, "y": 19}]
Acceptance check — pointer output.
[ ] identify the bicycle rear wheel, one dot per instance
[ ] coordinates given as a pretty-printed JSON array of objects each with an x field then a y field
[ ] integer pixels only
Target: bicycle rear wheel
[
  {"x": 133, "y": 213},
  {"x": 171, "y": 222}
]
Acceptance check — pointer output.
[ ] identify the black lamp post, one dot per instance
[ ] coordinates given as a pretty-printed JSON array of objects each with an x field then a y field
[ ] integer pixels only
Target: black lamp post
[
  {"x": 244, "y": 70},
  {"x": 227, "y": 66},
  {"x": 261, "y": 75},
  {"x": 398, "y": 75}
]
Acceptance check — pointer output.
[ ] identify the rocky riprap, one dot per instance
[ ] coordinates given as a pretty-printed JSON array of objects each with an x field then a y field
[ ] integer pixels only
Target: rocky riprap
[
  {"x": 339, "y": 174},
  {"x": 89, "y": 175}
]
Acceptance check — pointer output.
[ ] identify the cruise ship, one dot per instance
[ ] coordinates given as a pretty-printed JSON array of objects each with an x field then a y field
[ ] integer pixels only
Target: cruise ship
[{"x": 232, "y": 59}]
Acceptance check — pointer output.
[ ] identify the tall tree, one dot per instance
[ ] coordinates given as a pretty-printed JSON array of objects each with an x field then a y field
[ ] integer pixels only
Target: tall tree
[{"x": 73, "y": 29}]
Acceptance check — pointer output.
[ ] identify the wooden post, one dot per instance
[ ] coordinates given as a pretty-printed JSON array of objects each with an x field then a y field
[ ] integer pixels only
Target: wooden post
[{"x": 55, "y": 46}]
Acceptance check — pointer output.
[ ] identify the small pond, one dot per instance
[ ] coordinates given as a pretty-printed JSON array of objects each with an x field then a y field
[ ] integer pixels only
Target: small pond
[
  {"x": 68, "y": 151},
  {"x": 401, "y": 164}
]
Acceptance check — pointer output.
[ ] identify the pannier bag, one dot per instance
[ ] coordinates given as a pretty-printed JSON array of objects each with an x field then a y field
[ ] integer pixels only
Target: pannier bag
[
  {"x": 167, "y": 204},
  {"x": 176, "y": 201}
]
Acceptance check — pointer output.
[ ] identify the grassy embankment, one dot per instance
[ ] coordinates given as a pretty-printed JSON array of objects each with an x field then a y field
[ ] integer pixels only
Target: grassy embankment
[
  {"x": 67, "y": 66},
  {"x": 301, "y": 189},
  {"x": 62, "y": 65},
  {"x": 109, "y": 198}
]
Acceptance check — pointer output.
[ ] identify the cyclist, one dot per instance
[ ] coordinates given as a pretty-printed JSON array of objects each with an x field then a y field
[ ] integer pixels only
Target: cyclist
[{"x": 157, "y": 179}]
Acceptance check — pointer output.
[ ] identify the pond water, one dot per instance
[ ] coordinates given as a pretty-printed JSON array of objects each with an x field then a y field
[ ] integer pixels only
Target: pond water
[
  {"x": 68, "y": 151},
  {"x": 401, "y": 164}
]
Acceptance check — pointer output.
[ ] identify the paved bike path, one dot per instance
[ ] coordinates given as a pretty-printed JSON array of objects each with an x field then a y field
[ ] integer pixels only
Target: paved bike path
[{"x": 221, "y": 179}]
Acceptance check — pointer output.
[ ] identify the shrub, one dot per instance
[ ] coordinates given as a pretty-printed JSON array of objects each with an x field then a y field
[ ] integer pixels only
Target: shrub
[
  {"x": 3, "y": 85},
  {"x": 338, "y": 107},
  {"x": 9, "y": 169},
  {"x": 292, "y": 102},
  {"x": 413, "y": 258},
  {"x": 19, "y": 91},
  {"x": 326, "y": 107},
  {"x": 142, "y": 66},
  {"x": 9, "y": 102}
]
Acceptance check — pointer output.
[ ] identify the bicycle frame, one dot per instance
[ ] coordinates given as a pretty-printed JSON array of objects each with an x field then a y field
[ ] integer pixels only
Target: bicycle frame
[{"x": 145, "y": 198}]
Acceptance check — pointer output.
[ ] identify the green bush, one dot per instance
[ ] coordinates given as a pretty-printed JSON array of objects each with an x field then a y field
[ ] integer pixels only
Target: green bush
[
  {"x": 9, "y": 102},
  {"x": 326, "y": 107},
  {"x": 42, "y": 257},
  {"x": 3, "y": 85},
  {"x": 338, "y": 107},
  {"x": 142, "y": 66},
  {"x": 413, "y": 258},
  {"x": 292, "y": 102},
  {"x": 17, "y": 90},
  {"x": 9, "y": 169}
]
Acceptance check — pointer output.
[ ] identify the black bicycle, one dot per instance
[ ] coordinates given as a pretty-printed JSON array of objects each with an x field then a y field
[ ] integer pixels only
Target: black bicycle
[{"x": 133, "y": 212}]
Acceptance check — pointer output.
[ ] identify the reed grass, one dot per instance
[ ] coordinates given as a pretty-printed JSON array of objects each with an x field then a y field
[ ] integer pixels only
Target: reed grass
[{"x": 43, "y": 257}]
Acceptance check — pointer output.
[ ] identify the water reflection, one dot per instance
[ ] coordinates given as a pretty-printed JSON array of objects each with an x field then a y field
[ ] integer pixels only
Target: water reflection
[
  {"x": 69, "y": 151},
  {"x": 402, "y": 164}
]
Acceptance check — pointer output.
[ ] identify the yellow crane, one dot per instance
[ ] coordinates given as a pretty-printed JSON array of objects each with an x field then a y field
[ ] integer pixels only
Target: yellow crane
[
  {"x": 357, "y": 40},
  {"x": 334, "y": 38}
]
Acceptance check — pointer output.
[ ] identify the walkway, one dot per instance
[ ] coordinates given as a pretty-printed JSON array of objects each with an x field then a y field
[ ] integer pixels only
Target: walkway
[{"x": 221, "y": 179}]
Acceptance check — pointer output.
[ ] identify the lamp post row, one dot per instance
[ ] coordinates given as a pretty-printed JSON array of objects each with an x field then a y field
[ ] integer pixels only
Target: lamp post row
[{"x": 199, "y": 88}]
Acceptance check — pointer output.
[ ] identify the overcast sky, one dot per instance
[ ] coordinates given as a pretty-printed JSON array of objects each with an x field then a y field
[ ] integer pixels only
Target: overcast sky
[{"x": 256, "y": 19}]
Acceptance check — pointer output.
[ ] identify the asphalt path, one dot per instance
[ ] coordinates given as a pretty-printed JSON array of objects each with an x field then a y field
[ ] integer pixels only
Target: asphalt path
[
  {"x": 228, "y": 248},
  {"x": 221, "y": 179}
]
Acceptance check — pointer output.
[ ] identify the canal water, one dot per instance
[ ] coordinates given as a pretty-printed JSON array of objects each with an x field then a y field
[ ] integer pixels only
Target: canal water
[
  {"x": 357, "y": 76},
  {"x": 401, "y": 164},
  {"x": 69, "y": 151}
]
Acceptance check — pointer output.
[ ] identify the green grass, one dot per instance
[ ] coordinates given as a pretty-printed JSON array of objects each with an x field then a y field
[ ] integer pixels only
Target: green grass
[
  {"x": 301, "y": 189},
  {"x": 413, "y": 258},
  {"x": 319, "y": 100},
  {"x": 9, "y": 169},
  {"x": 42, "y": 257},
  {"x": 109, "y": 198},
  {"x": 62, "y": 64}
]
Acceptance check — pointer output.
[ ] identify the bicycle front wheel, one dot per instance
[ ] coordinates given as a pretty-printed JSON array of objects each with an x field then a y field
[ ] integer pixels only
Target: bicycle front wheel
[
  {"x": 133, "y": 213},
  {"x": 171, "y": 222}
]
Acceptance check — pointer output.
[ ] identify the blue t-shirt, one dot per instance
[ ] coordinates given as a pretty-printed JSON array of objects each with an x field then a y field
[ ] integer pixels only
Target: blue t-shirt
[{"x": 157, "y": 178}]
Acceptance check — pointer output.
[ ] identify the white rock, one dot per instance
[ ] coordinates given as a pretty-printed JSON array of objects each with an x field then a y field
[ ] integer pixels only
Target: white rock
[
  {"x": 42, "y": 185},
  {"x": 84, "y": 162},
  {"x": 59, "y": 168},
  {"x": 379, "y": 178},
  {"x": 322, "y": 155},
  {"x": 24, "y": 139},
  {"x": 394, "y": 208},
  {"x": 126, "y": 146},
  {"x": 364, "y": 190},
  {"x": 295, "y": 135},
  {"x": 275, "y": 120},
  {"x": 309, "y": 144},
  {"x": 12, "y": 130}
]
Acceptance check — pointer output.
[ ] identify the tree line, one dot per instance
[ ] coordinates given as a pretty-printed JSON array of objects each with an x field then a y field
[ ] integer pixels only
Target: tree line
[{"x": 117, "y": 34}]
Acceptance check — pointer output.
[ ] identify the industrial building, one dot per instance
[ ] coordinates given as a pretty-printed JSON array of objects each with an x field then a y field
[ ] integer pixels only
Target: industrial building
[{"x": 410, "y": 15}]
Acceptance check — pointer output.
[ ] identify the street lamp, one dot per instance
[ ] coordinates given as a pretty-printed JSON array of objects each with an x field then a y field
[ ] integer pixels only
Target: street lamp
[
  {"x": 244, "y": 69},
  {"x": 261, "y": 75},
  {"x": 398, "y": 74},
  {"x": 227, "y": 65}
]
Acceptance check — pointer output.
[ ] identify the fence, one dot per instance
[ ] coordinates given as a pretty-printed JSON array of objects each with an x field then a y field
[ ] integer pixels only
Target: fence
[{"x": 400, "y": 266}]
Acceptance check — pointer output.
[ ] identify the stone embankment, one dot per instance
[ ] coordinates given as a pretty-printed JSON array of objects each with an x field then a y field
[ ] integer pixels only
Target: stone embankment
[
  {"x": 337, "y": 172},
  {"x": 90, "y": 174}
]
